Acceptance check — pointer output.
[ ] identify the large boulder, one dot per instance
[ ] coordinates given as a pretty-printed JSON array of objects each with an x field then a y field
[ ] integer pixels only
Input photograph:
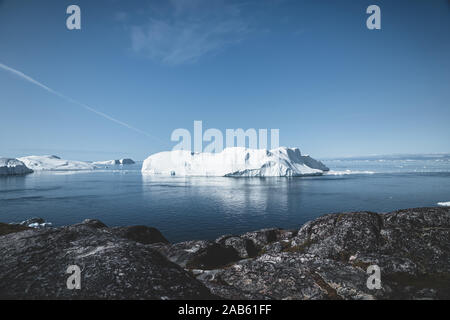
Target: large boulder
[{"x": 421, "y": 235}]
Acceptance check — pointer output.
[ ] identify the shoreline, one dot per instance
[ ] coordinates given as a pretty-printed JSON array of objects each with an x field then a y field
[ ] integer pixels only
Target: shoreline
[{"x": 327, "y": 258}]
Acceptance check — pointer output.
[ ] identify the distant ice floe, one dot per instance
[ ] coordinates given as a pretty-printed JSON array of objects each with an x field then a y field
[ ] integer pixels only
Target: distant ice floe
[
  {"x": 114, "y": 162},
  {"x": 36, "y": 223},
  {"x": 234, "y": 162},
  {"x": 444, "y": 204},
  {"x": 346, "y": 172},
  {"x": 54, "y": 163}
]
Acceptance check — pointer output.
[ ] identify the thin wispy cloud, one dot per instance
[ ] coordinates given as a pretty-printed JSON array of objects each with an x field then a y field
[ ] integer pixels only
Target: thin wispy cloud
[
  {"x": 188, "y": 30},
  {"x": 68, "y": 99}
]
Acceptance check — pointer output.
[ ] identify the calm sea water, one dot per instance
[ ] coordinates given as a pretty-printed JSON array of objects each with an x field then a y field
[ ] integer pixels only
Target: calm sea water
[{"x": 204, "y": 208}]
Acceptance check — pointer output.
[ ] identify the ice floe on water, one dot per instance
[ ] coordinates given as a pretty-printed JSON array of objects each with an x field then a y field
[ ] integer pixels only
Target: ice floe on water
[
  {"x": 346, "y": 172},
  {"x": 115, "y": 162},
  {"x": 444, "y": 204},
  {"x": 55, "y": 163},
  {"x": 35, "y": 223}
]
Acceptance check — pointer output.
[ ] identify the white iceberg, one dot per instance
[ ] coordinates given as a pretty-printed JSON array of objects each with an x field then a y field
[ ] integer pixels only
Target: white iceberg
[
  {"x": 54, "y": 163},
  {"x": 444, "y": 204},
  {"x": 107, "y": 162},
  {"x": 234, "y": 161},
  {"x": 114, "y": 162},
  {"x": 9, "y": 166}
]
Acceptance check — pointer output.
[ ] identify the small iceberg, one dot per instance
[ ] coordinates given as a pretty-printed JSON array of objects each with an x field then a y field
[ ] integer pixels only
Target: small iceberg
[
  {"x": 10, "y": 166},
  {"x": 444, "y": 204},
  {"x": 234, "y": 162},
  {"x": 114, "y": 162},
  {"x": 36, "y": 223},
  {"x": 55, "y": 163}
]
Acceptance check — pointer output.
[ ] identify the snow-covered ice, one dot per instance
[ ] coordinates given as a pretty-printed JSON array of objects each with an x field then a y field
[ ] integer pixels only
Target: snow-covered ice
[
  {"x": 444, "y": 204},
  {"x": 347, "y": 172},
  {"x": 40, "y": 225},
  {"x": 9, "y": 166},
  {"x": 114, "y": 162},
  {"x": 234, "y": 161},
  {"x": 54, "y": 163},
  {"x": 107, "y": 162},
  {"x": 35, "y": 223}
]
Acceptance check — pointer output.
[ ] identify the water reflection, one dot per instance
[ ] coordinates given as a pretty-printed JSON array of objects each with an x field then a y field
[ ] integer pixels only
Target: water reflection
[{"x": 234, "y": 196}]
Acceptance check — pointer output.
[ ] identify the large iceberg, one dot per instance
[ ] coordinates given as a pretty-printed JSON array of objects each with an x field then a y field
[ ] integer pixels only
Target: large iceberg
[
  {"x": 9, "y": 166},
  {"x": 54, "y": 163},
  {"x": 234, "y": 161}
]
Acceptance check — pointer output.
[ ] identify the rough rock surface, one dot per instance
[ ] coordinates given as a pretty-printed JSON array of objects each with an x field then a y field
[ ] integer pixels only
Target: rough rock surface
[
  {"x": 34, "y": 262},
  {"x": 326, "y": 259},
  {"x": 6, "y": 228},
  {"x": 141, "y": 234}
]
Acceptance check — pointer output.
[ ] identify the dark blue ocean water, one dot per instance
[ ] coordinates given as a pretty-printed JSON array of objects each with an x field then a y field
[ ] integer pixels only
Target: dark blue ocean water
[{"x": 204, "y": 208}]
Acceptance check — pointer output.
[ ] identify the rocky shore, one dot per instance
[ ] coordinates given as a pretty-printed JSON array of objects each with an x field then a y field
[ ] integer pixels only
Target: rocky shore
[{"x": 326, "y": 258}]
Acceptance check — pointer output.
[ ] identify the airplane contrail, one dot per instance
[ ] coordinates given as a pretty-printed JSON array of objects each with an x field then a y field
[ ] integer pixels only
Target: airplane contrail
[{"x": 85, "y": 106}]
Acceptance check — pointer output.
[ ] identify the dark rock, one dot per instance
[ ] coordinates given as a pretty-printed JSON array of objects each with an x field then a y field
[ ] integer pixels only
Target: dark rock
[
  {"x": 34, "y": 262},
  {"x": 94, "y": 223},
  {"x": 6, "y": 228},
  {"x": 252, "y": 244},
  {"x": 183, "y": 252},
  {"x": 420, "y": 235},
  {"x": 244, "y": 247},
  {"x": 288, "y": 276},
  {"x": 262, "y": 237},
  {"x": 141, "y": 234},
  {"x": 213, "y": 256},
  {"x": 338, "y": 236},
  {"x": 126, "y": 161},
  {"x": 329, "y": 256}
]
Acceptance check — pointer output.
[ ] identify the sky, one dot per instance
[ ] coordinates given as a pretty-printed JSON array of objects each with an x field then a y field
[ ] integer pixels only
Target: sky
[{"x": 137, "y": 70}]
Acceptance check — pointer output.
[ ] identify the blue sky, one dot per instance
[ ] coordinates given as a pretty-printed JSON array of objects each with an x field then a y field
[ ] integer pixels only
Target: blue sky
[{"x": 309, "y": 68}]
